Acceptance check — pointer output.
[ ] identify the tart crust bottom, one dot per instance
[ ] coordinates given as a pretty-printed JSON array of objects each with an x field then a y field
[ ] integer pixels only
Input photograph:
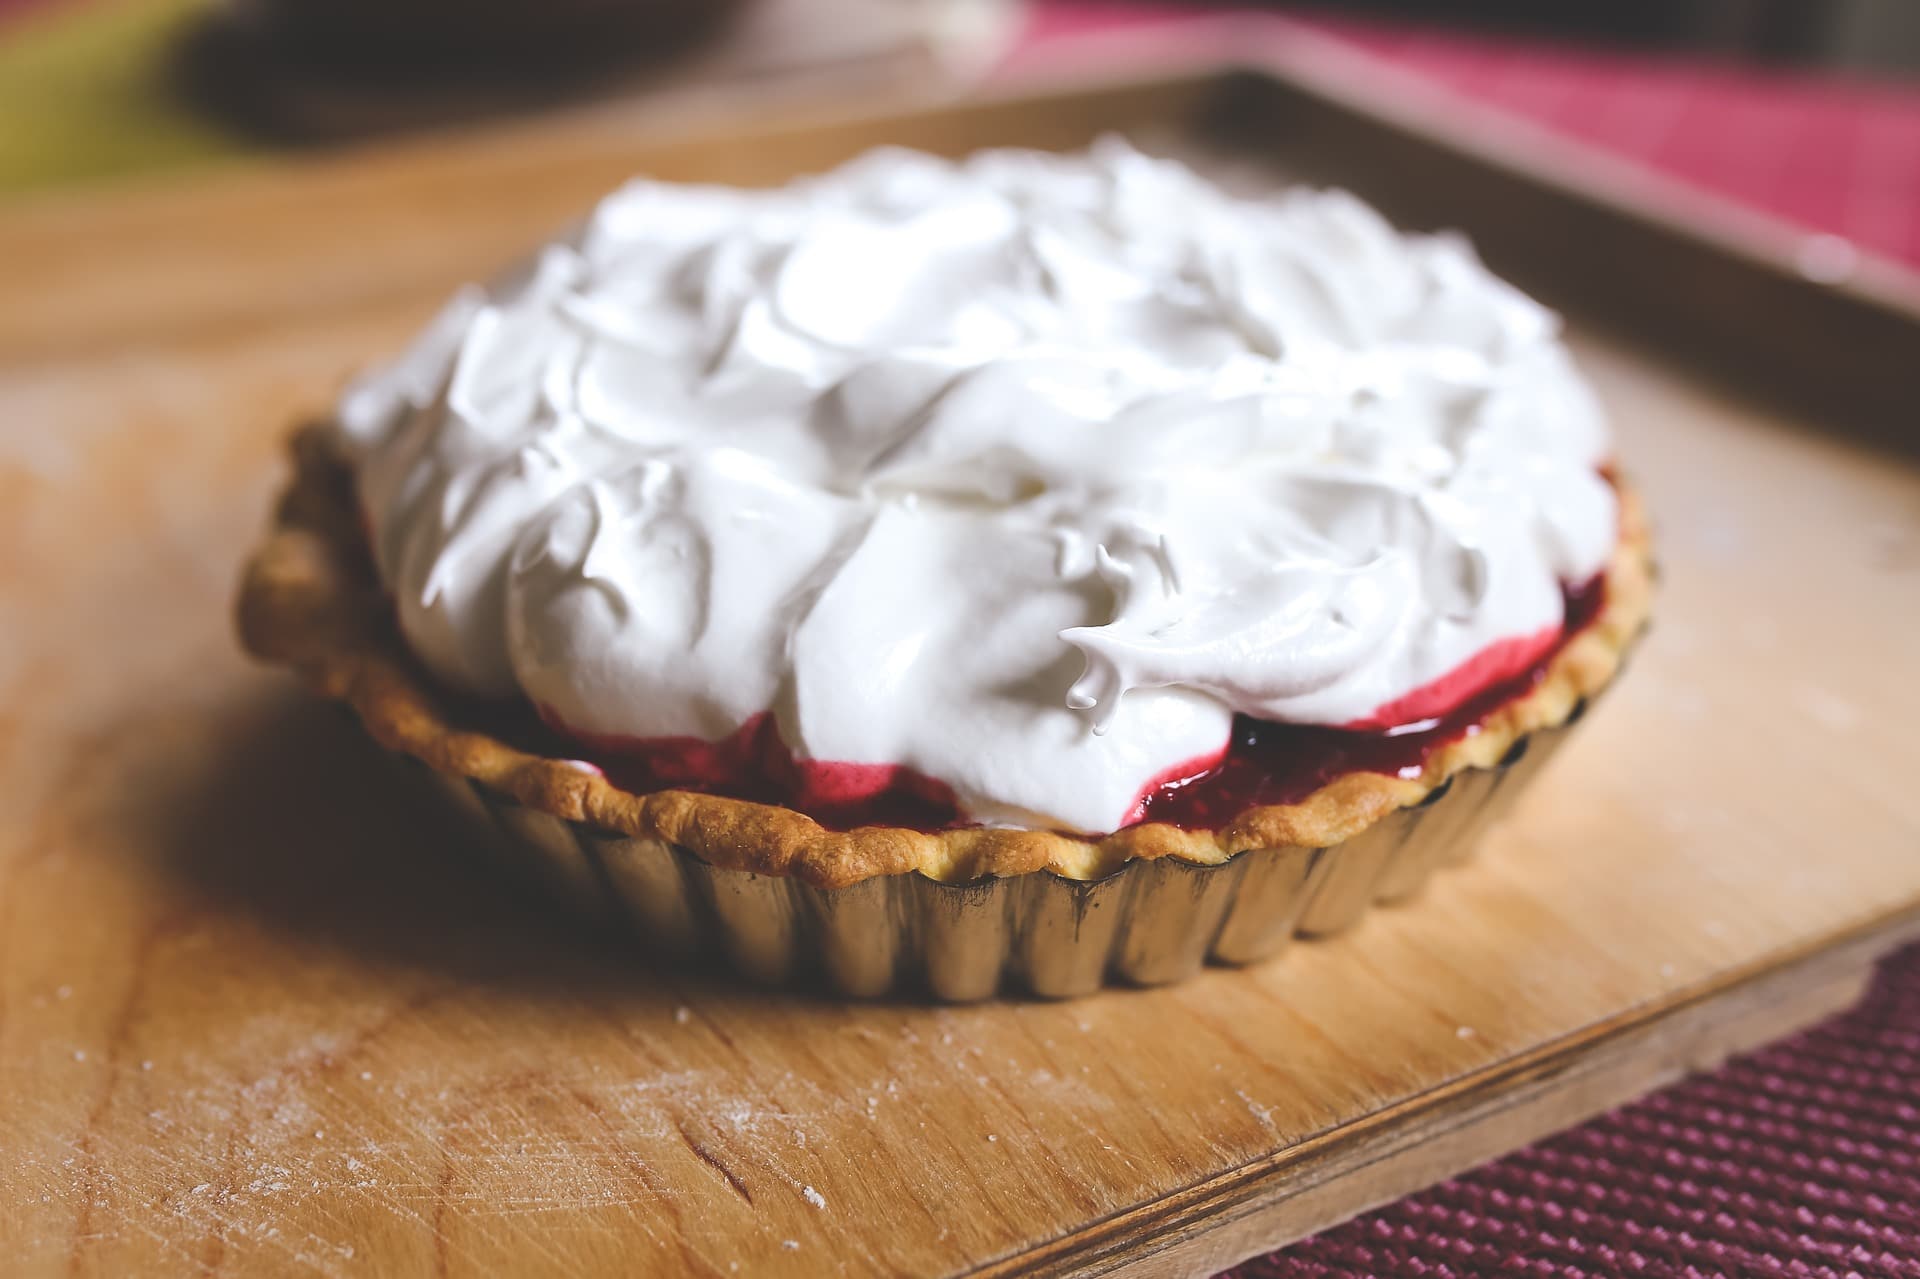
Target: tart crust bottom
[{"x": 310, "y": 599}]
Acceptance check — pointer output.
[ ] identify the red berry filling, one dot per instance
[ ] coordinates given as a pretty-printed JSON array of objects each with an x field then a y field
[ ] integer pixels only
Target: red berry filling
[{"x": 1264, "y": 762}]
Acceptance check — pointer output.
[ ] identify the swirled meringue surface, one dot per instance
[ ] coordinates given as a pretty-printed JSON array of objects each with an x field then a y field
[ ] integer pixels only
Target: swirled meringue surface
[{"x": 1024, "y": 474}]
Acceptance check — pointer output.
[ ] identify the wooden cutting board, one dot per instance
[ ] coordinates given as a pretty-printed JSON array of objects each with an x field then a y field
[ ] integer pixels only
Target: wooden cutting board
[{"x": 258, "y": 1015}]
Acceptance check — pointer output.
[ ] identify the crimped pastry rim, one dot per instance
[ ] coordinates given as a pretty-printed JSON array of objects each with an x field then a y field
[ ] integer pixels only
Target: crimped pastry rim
[{"x": 309, "y": 600}]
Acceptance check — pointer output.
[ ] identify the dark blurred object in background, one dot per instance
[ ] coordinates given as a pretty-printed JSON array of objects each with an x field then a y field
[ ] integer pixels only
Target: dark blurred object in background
[
  {"x": 1882, "y": 35},
  {"x": 334, "y": 70},
  {"x": 329, "y": 69},
  {"x": 462, "y": 33}
]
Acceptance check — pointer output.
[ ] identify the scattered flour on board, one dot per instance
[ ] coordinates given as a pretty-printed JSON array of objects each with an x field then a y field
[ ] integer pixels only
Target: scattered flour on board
[{"x": 1263, "y": 1113}]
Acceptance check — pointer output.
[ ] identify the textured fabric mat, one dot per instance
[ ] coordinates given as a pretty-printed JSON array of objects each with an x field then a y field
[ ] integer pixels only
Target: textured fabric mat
[{"x": 1801, "y": 1159}]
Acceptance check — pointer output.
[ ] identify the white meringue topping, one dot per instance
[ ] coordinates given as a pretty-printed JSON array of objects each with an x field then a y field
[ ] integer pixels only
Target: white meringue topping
[{"x": 1025, "y": 473}]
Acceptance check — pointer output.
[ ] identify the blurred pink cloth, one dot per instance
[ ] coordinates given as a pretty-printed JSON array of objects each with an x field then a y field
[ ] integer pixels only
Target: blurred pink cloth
[{"x": 1827, "y": 152}]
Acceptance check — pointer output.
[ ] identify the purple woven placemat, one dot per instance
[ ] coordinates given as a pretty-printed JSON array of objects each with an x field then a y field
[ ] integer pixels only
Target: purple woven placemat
[{"x": 1801, "y": 1159}]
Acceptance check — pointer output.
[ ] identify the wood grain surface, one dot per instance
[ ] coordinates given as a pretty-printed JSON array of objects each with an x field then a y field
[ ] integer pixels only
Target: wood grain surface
[{"x": 259, "y": 1016}]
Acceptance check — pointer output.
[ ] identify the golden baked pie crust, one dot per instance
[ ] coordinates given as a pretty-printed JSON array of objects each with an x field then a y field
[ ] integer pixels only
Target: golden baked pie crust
[{"x": 310, "y": 599}]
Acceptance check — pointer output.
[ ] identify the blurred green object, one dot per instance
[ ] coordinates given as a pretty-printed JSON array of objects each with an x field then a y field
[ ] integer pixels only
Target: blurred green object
[
  {"x": 106, "y": 88},
  {"x": 98, "y": 88},
  {"x": 87, "y": 91}
]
